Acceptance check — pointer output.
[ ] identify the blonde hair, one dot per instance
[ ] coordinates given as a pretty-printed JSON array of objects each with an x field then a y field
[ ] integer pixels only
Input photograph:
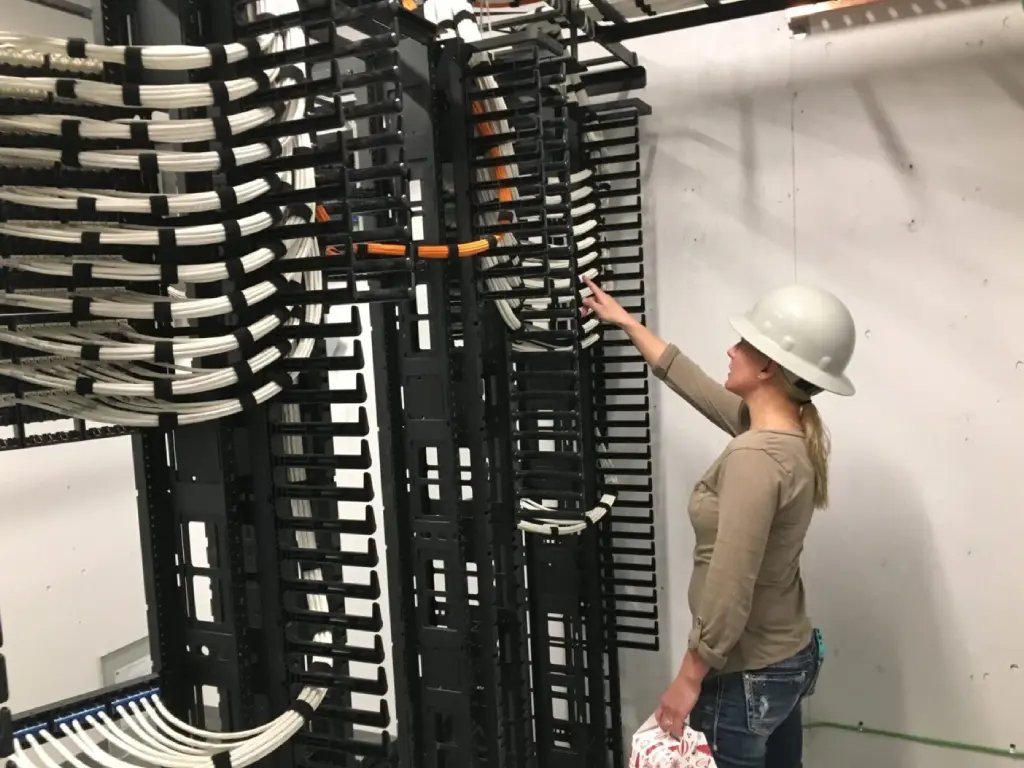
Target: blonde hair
[
  {"x": 819, "y": 448},
  {"x": 816, "y": 434}
]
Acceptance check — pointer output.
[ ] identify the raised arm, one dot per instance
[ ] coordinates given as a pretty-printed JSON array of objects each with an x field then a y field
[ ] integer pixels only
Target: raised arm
[{"x": 684, "y": 377}]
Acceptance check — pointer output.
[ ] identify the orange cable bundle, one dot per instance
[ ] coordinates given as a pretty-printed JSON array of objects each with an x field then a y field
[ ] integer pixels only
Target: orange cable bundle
[{"x": 462, "y": 250}]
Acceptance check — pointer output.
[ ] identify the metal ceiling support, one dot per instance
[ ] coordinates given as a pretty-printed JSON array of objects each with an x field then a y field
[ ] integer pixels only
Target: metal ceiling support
[
  {"x": 66, "y": 6},
  {"x": 710, "y": 14}
]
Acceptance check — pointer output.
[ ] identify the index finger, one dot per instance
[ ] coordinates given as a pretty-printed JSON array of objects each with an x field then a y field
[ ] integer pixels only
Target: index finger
[{"x": 591, "y": 284}]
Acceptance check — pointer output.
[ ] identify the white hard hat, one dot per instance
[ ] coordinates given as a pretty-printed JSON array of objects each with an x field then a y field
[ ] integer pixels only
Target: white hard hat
[{"x": 807, "y": 331}]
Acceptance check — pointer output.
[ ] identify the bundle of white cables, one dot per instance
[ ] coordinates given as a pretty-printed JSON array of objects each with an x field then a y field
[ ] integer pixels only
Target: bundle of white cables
[
  {"x": 458, "y": 15},
  {"x": 149, "y": 735},
  {"x": 102, "y": 369},
  {"x": 147, "y": 732}
]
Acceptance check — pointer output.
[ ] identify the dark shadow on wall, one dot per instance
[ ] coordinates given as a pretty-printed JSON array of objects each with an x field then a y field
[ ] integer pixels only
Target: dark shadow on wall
[{"x": 879, "y": 596}]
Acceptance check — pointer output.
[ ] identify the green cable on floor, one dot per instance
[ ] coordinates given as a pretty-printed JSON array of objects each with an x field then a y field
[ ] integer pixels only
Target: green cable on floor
[{"x": 1010, "y": 753}]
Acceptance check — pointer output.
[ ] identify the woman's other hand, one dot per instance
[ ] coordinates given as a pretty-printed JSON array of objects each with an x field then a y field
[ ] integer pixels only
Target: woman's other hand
[
  {"x": 607, "y": 309},
  {"x": 676, "y": 705}
]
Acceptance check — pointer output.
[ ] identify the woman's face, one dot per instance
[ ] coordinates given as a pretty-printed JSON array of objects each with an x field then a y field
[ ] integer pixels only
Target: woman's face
[{"x": 746, "y": 369}]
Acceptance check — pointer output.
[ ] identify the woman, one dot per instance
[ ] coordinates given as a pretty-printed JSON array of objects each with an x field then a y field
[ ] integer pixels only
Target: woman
[{"x": 752, "y": 652}]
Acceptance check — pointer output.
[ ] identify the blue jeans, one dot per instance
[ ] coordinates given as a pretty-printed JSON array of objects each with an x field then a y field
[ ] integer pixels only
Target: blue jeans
[{"x": 752, "y": 719}]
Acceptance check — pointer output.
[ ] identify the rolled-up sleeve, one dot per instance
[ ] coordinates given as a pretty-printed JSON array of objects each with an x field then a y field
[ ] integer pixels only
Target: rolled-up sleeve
[{"x": 748, "y": 497}]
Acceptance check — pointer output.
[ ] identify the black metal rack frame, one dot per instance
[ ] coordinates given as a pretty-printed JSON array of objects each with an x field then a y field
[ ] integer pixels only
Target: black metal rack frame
[{"x": 504, "y": 645}]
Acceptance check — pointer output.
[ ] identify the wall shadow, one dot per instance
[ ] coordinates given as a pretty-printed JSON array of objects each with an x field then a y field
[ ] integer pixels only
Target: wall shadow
[{"x": 877, "y": 591}]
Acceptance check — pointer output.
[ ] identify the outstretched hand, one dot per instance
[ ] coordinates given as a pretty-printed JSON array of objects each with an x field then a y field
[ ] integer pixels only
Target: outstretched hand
[{"x": 607, "y": 309}]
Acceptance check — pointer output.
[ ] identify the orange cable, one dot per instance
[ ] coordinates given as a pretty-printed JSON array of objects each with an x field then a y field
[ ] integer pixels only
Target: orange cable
[{"x": 472, "y": 248}]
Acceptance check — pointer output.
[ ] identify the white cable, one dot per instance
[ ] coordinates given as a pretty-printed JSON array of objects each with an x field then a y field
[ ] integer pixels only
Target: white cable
[
  {"x": 122, "y": 391},
  {"x": 151, "y": 735},
  {"x": 584, "y": 235},
  {"x": 153, "y": 57}
]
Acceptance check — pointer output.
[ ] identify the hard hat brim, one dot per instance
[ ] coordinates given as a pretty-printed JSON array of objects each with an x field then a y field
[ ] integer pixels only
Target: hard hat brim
[{"x": 838, "y": 385}]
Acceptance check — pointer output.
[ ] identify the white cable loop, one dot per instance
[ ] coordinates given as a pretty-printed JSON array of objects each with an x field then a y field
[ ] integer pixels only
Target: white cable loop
[{"x": 148, "y": 733}]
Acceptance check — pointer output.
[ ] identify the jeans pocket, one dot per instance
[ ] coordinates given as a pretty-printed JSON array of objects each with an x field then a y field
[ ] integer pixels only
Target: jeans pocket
[
  {"x": 813, "y": 682},
  {"x": 771, "y": 697}
]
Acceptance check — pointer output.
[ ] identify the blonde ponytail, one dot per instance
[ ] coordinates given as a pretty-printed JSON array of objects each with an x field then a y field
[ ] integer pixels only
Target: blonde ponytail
[{"x": 819, "y": 447}]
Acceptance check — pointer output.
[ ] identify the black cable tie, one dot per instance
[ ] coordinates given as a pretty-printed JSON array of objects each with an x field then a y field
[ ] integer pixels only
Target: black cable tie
[
  {"x": 445, "y": 25},
  {"x": 302, "y": 211},
  {"x": 86, "y": 205},
  {"x": 247, "y": 401},
  {"x": 283, "y": 348},
  {"x": 506, "y": 217},
  {"x": 262, "y": 80},
  {"x": 167, "y": 244},
  {"x": 462, "y": 16},
  {"x": 243, "y": 337},
  {"x": 235, "y": 268},
  {"x": 84, "y": 386},
  {"x": 243, "y": 370},
  {"x": 169, "y": 271},
  {"x": 232, "y": 230},
  {"x": 278, "y": 248},
  {"x": 274, "y": 145},
  {"x": 163, "y": 352},
  {"x": 81, "y": 272},
  {"x": 492, "y": 241},
  {"x": 274, "y": 182},
  {"x": 252, "y": 46},
  {"x": 91, "y": 352},
  {"x": 291, "y": 72},
  {"x": 222, "y": 128},
  {"x": 159, "y": 205},
  {"x": 237, "y": 301},
  {"x": 228, "y": 163},
  {"x": 167, "y": 238},
  {"x": 133, "y": 59},
  {"x": 90, "y": 240},
  {"x": 227, "y": 197},
  {"x": 80, "y": 306},
  {"x": 149, "y": 164},
  {"x": 69, "y": 156},
  {"x": 219, "y": 93},
  {"x": 162, "y": 312},
  {"x": 410, "y": 250},
  {"x": 218, "y": 55},
  {"x": 163, "y": 389},
  {"x": 138, "y": 130},
  {"x": 131, "y": 94},
  {"x": 281, "y": 283},
  {"x": 75, "y": 48},
  {"x": 167, "y": 422},
  {"x": 303, "y": 709},
  {"x": 71, "y": 130},
  {"x": 453, "y": 250},
  {"x": 282, "y": 379}
]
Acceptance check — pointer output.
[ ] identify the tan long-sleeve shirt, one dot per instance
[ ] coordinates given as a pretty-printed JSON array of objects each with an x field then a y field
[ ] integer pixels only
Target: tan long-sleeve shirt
[{"x": 750, "y": 513}]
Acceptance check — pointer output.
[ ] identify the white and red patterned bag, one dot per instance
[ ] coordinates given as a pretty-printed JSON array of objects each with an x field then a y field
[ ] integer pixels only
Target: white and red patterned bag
[{"x": 653, "y": 748}]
